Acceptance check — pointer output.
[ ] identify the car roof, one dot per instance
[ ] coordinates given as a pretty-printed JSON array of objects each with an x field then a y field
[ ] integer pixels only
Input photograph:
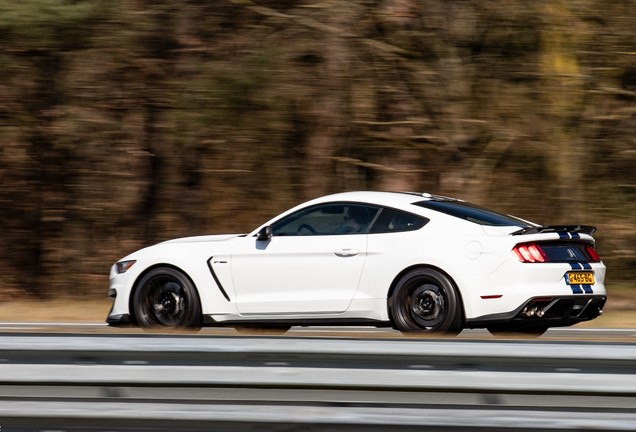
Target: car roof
[
  {"x": 393, "y": 199},
  {"x": 398, "y": 200}
]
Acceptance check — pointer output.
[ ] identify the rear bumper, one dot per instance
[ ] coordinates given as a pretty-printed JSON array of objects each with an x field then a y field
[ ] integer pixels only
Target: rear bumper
[
  {"x": 507, "y": 290},
  {"x": 545, "y": 311}
]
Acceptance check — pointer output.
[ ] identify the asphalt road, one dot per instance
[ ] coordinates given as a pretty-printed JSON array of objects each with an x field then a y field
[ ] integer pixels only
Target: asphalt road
[
  {"x": 565, "y": 333},
  {"x": 313, "y": 382}
]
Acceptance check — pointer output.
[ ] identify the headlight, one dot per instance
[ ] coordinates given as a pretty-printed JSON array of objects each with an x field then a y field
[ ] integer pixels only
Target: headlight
[{"x": 124, "y": 265}]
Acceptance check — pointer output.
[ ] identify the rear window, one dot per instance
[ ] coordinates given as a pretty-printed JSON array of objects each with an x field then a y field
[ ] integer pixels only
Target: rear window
[
  {"x": 472, "y": 213},
  {"x": 565, "y": 252}
]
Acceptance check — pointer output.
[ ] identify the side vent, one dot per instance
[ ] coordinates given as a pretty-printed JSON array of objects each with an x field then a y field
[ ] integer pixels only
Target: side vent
[{"x": 216, "y": 279}]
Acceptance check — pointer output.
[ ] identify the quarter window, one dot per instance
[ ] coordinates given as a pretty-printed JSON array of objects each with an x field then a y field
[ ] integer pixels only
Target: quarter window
[{"x": 391, "y": 221}]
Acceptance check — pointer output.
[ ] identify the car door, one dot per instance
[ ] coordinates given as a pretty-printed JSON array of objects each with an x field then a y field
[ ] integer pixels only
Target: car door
[{"x": 311, "y": 265}]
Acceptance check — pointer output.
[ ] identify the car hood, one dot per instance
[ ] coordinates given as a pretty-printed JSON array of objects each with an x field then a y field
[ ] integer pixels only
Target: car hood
[
  {"x": 169, "y": 250},
  {"x": 204, "y": 239}
]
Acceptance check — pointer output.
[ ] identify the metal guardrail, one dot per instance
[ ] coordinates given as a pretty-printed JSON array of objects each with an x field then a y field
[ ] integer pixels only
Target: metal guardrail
[{"x": 315, "y": 383}]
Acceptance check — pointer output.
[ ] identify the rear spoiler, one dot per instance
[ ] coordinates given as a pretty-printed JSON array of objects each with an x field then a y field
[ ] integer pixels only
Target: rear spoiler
[{"x": 556, "y": 229}]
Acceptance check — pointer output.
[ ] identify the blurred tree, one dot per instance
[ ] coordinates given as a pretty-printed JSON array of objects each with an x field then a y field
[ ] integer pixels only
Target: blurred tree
[
  {"x": 128, "y": 122},
  {"x": 37, "y": 37}
]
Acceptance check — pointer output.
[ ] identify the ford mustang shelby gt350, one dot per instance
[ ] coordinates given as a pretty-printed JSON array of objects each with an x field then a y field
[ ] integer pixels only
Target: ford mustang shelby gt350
[{"x": 416, "y": 262}]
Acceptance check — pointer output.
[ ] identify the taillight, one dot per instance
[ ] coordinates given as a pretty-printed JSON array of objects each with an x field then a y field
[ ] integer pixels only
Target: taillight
[
  {"x": 592, "y": 253},
  {"x": 529, "y": 253}
]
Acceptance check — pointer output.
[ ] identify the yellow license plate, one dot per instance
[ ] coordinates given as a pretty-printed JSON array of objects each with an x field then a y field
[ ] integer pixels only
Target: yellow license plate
[{"x": 580, "y": 278}]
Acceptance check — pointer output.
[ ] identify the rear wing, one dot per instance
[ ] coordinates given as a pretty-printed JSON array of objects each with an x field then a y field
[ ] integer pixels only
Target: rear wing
[{"x": 556, "y": 229}]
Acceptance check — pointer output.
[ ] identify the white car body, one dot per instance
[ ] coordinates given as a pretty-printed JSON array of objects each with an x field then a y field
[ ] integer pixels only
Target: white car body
[{"x": 329, "y": 279}]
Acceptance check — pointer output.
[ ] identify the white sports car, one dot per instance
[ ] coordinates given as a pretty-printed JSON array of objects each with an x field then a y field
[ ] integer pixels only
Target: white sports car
[{"x": 416, "y": 262}]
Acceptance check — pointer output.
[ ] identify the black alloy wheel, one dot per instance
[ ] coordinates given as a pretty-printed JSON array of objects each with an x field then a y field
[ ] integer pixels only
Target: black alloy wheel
[
  {"x": 166, "y": 299},
  {"x": 425, "y": 301}
]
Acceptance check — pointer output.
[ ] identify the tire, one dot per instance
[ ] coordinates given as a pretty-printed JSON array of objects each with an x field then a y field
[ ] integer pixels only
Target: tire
[
  {"x": 165, "y": 298},
  {"x": 426, "y": 301}
]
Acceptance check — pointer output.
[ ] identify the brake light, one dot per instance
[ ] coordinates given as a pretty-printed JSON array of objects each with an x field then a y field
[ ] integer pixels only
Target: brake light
[
  {"x": 592, "y": 253},
  {"x": 529, "y": 253}
]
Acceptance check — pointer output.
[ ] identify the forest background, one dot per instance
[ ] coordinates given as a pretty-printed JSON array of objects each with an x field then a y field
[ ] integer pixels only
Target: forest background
[{"x": 127, "y": 122}]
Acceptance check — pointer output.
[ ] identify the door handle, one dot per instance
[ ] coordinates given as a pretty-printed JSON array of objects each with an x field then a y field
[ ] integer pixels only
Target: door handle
[{"x": 346, "y": 252}]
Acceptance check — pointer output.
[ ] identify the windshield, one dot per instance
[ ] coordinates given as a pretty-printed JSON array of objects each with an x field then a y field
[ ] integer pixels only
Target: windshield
[{"x": 473, "y": 213}]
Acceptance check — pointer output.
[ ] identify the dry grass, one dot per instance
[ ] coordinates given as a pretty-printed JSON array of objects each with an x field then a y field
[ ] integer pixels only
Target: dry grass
[
  {"x": 620, "y": 310},
  {"x": 58, "y": 310},
  {"x": 96, "y": 311},
  {"x": 613, "y": 319}
]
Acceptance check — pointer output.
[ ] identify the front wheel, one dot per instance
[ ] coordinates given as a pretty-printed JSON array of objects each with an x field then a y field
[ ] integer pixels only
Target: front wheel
[
  {"x": 425, "y": 301},
  {"x": 166, "y": 299}
]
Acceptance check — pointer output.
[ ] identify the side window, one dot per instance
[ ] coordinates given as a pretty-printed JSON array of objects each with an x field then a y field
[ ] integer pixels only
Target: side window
[
  {"x": 391, "y": 220},
  {"x": 327, "y": 219}
]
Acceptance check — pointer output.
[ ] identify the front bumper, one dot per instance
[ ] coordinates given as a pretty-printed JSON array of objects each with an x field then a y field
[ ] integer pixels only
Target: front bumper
[{"x": 118, "y": 320}]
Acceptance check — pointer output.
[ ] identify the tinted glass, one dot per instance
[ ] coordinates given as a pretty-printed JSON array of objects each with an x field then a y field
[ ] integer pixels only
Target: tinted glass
[
  {"x": 391, "y": 220},
  {"x": 327, "y": 219},
  {"x": 565, "y": 252},
  {"x": 472, "y": 213}
]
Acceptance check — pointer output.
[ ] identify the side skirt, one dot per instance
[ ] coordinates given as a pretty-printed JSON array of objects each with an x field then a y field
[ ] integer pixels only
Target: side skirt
[{"x": 209, "y": 321}]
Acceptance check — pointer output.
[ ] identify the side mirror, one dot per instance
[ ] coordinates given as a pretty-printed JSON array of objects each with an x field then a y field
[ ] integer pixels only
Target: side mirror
[{"x": 264, "y": 234}]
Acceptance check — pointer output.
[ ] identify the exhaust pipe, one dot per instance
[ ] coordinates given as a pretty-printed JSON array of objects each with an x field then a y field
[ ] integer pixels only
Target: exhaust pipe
[{"x": 533, "y": 312}]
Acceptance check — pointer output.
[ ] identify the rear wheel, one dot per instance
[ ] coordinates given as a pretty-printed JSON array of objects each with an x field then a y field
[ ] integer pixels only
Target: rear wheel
[
  {"x": 425, "y": 301},
  {"x": 167, "y": 299}
]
